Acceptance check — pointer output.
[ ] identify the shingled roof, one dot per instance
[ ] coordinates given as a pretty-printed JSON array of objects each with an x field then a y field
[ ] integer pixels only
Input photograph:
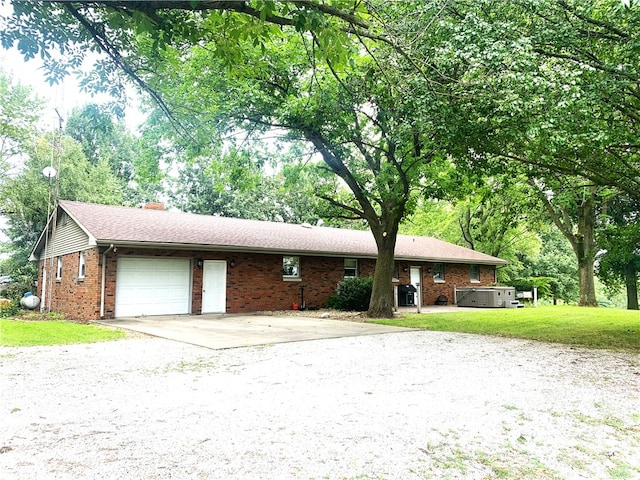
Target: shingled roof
[{"x": 123, "y": 226}]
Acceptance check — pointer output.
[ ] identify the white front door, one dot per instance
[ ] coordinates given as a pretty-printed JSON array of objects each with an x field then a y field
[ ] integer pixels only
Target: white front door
[
  {"x": 214, "y": 286},
  {"x": 416, "y": 281}
]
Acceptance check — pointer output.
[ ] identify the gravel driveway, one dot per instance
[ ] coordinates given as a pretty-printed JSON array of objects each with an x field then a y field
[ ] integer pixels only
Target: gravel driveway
[{"x": 395, "y": 406}]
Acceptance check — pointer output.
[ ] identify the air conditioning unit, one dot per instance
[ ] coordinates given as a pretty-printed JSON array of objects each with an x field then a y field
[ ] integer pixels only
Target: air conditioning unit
[{"x": 485, "y": 297}]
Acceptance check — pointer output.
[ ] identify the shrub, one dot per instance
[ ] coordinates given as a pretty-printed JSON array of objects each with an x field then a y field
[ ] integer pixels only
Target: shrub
[
  {"x": 546, "y": 285},
  {"x": 8, "y": 308},
  {"x": 352, "y": 294}
]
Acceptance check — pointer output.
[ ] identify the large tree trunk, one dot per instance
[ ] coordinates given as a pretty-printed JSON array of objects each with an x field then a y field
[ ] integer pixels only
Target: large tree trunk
[
  {"x": 382, "y": 304},
  {"x": 587, "y": 283},
  {"x": 631, "y": 281},
  {"x": 583, "y": 239},
  {"x": 584, "y": 245}
]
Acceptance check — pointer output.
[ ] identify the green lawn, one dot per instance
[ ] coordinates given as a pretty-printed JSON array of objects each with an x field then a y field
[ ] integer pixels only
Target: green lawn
[
  {"x": 592, "y": 327},
  {"x": 16, "y": 333}
]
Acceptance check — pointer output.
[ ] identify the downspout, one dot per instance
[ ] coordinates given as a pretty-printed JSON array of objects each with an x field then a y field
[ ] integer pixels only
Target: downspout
[{"x": 104, "y": 277}]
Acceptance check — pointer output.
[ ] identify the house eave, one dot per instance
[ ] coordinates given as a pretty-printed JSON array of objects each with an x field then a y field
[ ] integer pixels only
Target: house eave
[{"x": 310, "y": 253}]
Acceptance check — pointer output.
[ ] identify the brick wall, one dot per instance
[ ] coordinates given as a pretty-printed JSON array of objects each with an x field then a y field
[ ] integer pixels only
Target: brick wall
[
  {"x": 78, "y": 298},
  {"x": 456, "y": 275},
  {"x": 254, "y": 283}
]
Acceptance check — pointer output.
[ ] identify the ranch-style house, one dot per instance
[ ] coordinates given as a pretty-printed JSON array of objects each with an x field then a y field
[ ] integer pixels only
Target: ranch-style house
[{"x": 101, "y": 261}]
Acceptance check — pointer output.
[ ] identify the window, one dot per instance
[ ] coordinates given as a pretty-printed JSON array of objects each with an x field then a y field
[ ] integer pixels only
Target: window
[
  {"x": 59, "y": 269},
  {"x": 291, "y": 267},
  {"x": 438, "y": 272},
  {"x": 350, "y": 267},
  {"x": 475, "y": 273},
  {"x": 82, "y": 265}
]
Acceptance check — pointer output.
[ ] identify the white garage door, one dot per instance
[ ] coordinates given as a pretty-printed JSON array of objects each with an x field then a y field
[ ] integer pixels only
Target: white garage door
[{"x": 152, "y": 286}]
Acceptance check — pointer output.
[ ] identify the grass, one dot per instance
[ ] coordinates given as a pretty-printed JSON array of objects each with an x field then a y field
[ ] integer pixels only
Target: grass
[
  {"x": 605, "y": 328},
  {"x": 17, "y": 333}
]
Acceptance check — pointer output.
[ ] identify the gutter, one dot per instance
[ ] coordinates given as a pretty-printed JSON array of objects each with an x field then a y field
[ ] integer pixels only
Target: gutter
[{"x": 104, "y": 276}]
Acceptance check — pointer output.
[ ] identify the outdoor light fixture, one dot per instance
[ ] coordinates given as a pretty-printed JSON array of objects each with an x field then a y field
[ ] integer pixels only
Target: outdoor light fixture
[
  {"x": 232, "y": 263},
  {"x": 405, "y": 268},
  {"x": 199, "y": 263}
]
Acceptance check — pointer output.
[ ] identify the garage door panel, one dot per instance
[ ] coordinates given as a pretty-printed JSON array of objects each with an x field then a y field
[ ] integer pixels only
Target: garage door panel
[{"x": 151, "y": 286}]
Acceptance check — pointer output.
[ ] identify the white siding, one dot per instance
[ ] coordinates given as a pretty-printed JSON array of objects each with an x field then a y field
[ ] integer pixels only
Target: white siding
[{"x": 69, "y": 238}]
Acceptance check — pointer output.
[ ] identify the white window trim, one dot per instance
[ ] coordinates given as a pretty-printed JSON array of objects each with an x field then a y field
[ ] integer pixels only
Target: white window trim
[
  {"x": 471, "y": 279},
  {"x": 291, "y": 278},
  {"x": 355, "y": 268},
  {"x": 444, "y": 275},
  {"x": 59, "y": 268},
  {"x": 82, "y": 262}
]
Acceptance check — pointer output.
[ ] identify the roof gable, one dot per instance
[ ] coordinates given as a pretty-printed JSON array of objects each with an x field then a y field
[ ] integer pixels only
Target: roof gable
[{"x": 142, "y": 227}]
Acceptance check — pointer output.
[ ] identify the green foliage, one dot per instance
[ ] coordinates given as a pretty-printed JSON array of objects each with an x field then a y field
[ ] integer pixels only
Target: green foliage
[
  {"x": 555, "y": 259},
  {"x": 246, "y": 183},
  {"x": 549, "y": 84},
  {"x": 27, "y": 197},
  {"x": 619, "y": 259},
  {"x": 546, "y": 285},
  {"x": 40, "y": 28},
  {"x": 608, "y": 328},
  {"x": 19, "y": 111},
  {"x": 496, "y": 215},
  {"x": 9, "y": 309},
  {"x": 17, "y": 333},
  {"x": 412, "y": 90},
  {"x": 352, "y": 294},
  {"x": 374, "y": 137}
]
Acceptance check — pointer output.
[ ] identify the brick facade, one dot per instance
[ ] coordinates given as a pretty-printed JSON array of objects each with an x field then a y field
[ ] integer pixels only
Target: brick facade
[
  {"x": 254, "y": 283},
  {"x": 78, "y": 298}
]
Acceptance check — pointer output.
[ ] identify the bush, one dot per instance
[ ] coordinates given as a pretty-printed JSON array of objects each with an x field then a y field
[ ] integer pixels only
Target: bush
[
  {"x": 546, "y": 285},
  {"x": 352, "y": 294},
  {"x": 8, "y": 308}
]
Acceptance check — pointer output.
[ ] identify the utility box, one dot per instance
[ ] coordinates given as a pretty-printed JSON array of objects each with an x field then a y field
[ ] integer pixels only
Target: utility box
[{"x": 485, "y": 297}]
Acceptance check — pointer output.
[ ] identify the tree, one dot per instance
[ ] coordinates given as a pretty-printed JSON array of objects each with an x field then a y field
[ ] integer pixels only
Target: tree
[
  {"x": 134, "y": 160},
  {"x": 116, "y": 28},
  {"x": 477, "y": 80},
  {"x": 19, "y": 111},
  {"x": 553, "y": 259},
  {"x": 498, "y": 215},
  {"x": 619, "y": 238},
  {"x": 237, "y": 184},
  {"x": 366, "y": 133},
  {"x": 574, "y": 207},
  {"x": 26, "y": 198},
  {"x": 551, "y": 84}
]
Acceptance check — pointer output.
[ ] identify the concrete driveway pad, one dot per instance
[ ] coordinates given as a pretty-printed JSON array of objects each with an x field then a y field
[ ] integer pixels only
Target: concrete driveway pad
[{"x": 231, "y": 331}]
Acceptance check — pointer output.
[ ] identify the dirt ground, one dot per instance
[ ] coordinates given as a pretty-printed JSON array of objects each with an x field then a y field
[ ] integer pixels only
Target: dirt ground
[{"x": 413, "y": 405}]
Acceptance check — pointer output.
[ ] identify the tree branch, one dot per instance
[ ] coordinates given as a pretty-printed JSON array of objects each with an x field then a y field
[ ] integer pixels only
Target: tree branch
[
  {"x": 152, "y": 7},
  {"x": 115, "y": 56}
]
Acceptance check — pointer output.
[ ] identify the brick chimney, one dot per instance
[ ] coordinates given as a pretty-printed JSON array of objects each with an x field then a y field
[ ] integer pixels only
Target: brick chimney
[{"x": 154, "y": 206}]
